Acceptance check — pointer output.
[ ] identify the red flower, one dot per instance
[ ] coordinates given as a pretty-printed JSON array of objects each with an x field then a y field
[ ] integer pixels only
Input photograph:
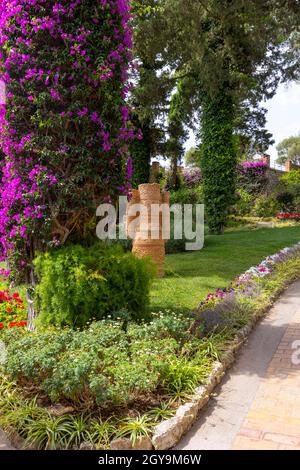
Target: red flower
[{"x": 8, "y": 309}]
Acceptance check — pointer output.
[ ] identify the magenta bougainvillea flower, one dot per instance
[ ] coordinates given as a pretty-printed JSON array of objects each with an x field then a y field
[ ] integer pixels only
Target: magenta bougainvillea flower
[{"x": 65, "y": 125}]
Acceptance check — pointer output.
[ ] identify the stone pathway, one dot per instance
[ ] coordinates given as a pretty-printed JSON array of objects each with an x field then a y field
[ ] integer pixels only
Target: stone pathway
[
  {"x": 4, "y": 444},
  {"x": 257, "y": 405}
]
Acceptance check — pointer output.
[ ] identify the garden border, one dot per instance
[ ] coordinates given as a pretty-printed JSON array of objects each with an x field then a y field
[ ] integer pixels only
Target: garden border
[{"x": 169, "y": 432}]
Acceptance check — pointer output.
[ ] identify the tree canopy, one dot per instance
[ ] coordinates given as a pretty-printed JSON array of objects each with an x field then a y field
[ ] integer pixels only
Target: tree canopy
[
  {"x": 289, "y": 150},
  {"x": 229, "y": 56}
]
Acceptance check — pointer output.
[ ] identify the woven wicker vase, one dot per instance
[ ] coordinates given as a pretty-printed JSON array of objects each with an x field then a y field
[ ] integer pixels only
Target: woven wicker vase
[{"x": 143, "y": 243}]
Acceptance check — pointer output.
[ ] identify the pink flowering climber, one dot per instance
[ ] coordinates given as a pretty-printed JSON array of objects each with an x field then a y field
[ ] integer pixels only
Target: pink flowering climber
[{"x": 65, "y": 125}]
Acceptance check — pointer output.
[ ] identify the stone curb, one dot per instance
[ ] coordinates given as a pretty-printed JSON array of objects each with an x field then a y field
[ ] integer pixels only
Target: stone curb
[{"x": 170, "y": 431}]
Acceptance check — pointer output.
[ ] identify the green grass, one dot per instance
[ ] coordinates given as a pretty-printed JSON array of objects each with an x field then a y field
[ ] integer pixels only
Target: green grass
[{"x": 190, "y": 276}]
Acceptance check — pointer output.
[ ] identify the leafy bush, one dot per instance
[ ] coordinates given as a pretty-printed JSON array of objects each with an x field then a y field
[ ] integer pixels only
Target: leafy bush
[
  {"x": 266, "y": 206},
  {"x": 291, "y": 181},
  {"x": 286, "y": 200},
  {"x": 244, "y": 202},
  {"x": 102, "y": 364},
  {"x": 187, "y": 196},
  {"x": 168, "y": 183},
  {"x": 77, "y": 284},
  {"x": 191, "y": 177}
]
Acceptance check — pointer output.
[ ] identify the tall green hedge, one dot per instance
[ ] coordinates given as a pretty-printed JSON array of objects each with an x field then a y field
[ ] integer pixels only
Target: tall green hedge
[{"x": 218, "y": 158}]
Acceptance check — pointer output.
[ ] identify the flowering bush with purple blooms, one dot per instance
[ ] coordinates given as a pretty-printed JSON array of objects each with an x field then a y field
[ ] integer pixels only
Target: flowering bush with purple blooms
[
  {"x": 217, "y": 309},
  {"x": 65, "y": 126},
  {"x": 267, "y": 265},
  {"x": 252, "y": 176}
]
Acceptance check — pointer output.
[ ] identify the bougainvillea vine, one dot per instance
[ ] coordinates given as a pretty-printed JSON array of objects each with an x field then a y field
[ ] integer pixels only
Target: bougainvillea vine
[{"x": 65, "y": 126}]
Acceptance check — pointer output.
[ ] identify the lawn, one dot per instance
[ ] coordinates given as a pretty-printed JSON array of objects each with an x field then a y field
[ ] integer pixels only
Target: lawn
[{"x": 190, "y": 276}]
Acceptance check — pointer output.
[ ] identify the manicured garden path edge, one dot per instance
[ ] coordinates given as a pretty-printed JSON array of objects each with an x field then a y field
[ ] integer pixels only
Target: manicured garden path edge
[{"x": 169, "y": 432}]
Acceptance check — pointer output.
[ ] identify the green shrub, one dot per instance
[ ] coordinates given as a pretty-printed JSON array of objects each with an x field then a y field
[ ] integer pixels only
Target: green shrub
[
  {"x": 187, "y": 196},
  {"x": 77, "y": 284},
  {"x": 291, "y": 181},
  {"x": 286, "y": 200},
  {"x": 266, "y": 206},
  {"x": 244, "y": 202},
  {"x": 100, "y": 365},
  {"x": 183, "y": 375},
  {"x": 95, "y": 365}
]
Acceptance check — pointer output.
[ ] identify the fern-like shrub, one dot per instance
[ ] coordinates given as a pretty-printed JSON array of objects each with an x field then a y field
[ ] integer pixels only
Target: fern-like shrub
[{"x": 77, "y": 284}]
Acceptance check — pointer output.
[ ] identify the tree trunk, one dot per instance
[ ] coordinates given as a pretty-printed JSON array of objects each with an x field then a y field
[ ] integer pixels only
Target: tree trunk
[{"x": 219, "y": 158}]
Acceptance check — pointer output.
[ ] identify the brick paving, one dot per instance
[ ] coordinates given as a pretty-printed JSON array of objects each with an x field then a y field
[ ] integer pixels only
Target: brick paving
[{"x": 273, "y": 420}]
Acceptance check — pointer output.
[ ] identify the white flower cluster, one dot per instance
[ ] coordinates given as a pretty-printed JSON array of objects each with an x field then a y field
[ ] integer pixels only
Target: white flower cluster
[{"x": 267, "y": 265}]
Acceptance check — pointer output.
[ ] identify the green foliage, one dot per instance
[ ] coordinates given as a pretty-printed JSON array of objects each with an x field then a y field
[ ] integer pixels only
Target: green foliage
[
  {"x": 291, "y": 180},
  {"x": 140, "y": 151},
  {"x": 192, "y": 157},
  {"x": 218, "y": 159},
  {"x": 286, "y": 200},
  {"x": 48, "y": 433},
  {"x": 165, "y": 348},
  {"x": 102, "y": 365},
  {"x": 162, "y": 412},
  {"x": 266, "y": 206},
  {"x": 228, "y": 57},
  {"x": 77, "y": 284},
  {"x": 176, "y": 132},
  {"x": 172, "y": 180},
  {"x": 187, "y": 196},
  {"x": 101, "y": 432},
  {"x": 289, "y": 150},
  {"x": 244, "y": 203},
  {"x": 183, "y": 375},
  {"x": 135, "y": 428}
]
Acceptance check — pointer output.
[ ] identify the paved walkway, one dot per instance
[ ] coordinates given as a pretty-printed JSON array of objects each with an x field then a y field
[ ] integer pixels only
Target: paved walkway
[
  {"x": 257, "y": 405},
  {"x": 4, "y": 444}
]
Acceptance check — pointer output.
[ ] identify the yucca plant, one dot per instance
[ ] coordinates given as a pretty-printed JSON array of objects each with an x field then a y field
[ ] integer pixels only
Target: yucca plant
[
  {"x": 135, "y": 428},
  {"x": 164, "y": 411},
  {"x": 76, "y": 430},
  {"x": 48, "y": 433},
  {"x": 101, "y": 432}
]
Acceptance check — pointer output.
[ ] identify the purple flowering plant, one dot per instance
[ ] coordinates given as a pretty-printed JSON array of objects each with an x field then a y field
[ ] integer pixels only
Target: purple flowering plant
[
  {"x": 217, "y": 309},
  {"x": 191, "y": 177},
  {"x": 65, "y": 126},
  {"x": 252, "y": 175}
]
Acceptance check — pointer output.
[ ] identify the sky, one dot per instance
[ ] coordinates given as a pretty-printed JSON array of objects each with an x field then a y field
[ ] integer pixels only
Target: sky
[{"x": 283, "y": 116}]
